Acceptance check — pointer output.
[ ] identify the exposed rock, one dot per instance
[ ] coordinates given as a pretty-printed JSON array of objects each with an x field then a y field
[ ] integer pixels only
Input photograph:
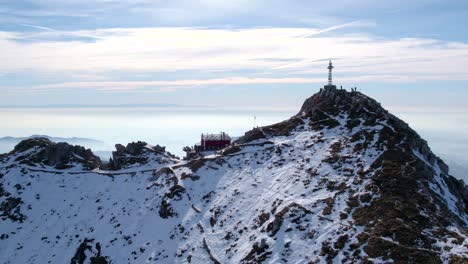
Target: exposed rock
[
  {"x": 165, "y": 210},
  {"x": 196, "y": 164},
  {"x": 293, "y": 210},
  {"x": 174, "y": 194},
  {"x": 32, "y": 143},
  {"x": 60, "y": 155},
  {"x": 231, "y": 150},
  {"x": 138, "y": 153},
  {"x": 10, "y": 209},
  {"x": 258, "y": 254},
  {"x": 251, "y": 135},
  {"x": 460, "y": 190},
  {"x": 87, "y": 251},
  {"x": 120, "y": 148}
]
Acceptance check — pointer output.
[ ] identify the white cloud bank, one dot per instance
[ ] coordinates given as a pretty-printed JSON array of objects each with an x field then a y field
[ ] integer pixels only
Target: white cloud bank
[{"x": 272, "y": 55}]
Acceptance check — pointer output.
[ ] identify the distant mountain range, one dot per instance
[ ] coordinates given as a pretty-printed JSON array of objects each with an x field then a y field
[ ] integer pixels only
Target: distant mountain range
[{"x": 8, "y": 143}]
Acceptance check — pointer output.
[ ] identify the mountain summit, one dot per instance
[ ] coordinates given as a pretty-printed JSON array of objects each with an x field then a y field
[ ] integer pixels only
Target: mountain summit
[{"x": 343, "y": 181}]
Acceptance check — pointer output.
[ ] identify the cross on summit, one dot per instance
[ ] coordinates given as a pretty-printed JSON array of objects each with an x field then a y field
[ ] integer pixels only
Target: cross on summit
[{"x": 330, "y": 78}]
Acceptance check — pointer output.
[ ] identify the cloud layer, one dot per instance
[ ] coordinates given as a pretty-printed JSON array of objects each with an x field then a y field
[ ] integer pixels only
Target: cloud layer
[{"x": 269, "y": 55}]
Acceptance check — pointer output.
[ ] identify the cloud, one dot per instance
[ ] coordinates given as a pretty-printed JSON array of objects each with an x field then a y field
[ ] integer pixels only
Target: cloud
[
  {"x": 173, "y": 85},
  {"x": 37, "y": 27},
  {"x": 269, "y": 55},
  {"x": 50, "y": 34},
  {"x": 357, "y": 23},
  {"x": 177, "y": 85}
]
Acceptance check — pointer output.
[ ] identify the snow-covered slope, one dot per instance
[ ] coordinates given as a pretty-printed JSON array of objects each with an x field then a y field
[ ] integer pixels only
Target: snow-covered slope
[{"x": 343, "y": 181}]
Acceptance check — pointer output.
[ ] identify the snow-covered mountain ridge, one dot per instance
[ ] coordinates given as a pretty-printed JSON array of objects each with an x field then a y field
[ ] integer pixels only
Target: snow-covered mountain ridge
[{"x": 343, "y": 181}]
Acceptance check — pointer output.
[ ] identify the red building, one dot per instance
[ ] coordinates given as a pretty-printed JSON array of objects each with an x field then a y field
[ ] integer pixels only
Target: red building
[
  {"x": 208, "y": 142},
  {"x": 211, "y": 142}
]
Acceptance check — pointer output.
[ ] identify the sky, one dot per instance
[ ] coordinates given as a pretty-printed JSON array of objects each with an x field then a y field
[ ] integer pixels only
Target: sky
[{"x": 238, "y": 54}]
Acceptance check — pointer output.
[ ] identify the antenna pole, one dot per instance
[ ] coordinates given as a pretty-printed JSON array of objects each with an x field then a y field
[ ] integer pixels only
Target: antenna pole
[{"x": 330, "y": 68}]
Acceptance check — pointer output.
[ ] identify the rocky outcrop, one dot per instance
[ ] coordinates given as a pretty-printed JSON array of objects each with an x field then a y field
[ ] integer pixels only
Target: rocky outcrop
[
  {"x": 332, "y": 101},
  {"x": 86, "y": 251},
  {"x": 138, "y": 153},
  {"x": 11, "y": 209},
  {"x": 60, "y": 155}
]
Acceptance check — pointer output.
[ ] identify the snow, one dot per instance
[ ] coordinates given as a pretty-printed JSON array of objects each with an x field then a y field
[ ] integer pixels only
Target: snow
[
  {"x": 218, "y": 213},
  {"x": 441, "y": 188}
]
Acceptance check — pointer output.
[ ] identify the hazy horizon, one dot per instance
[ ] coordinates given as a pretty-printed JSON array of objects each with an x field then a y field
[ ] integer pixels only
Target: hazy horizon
[{"x": 176, "y": 128}]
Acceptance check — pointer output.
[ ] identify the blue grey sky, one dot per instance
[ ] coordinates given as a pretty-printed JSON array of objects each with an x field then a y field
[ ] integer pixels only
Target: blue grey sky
[{"x": 235, "y": 54}]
